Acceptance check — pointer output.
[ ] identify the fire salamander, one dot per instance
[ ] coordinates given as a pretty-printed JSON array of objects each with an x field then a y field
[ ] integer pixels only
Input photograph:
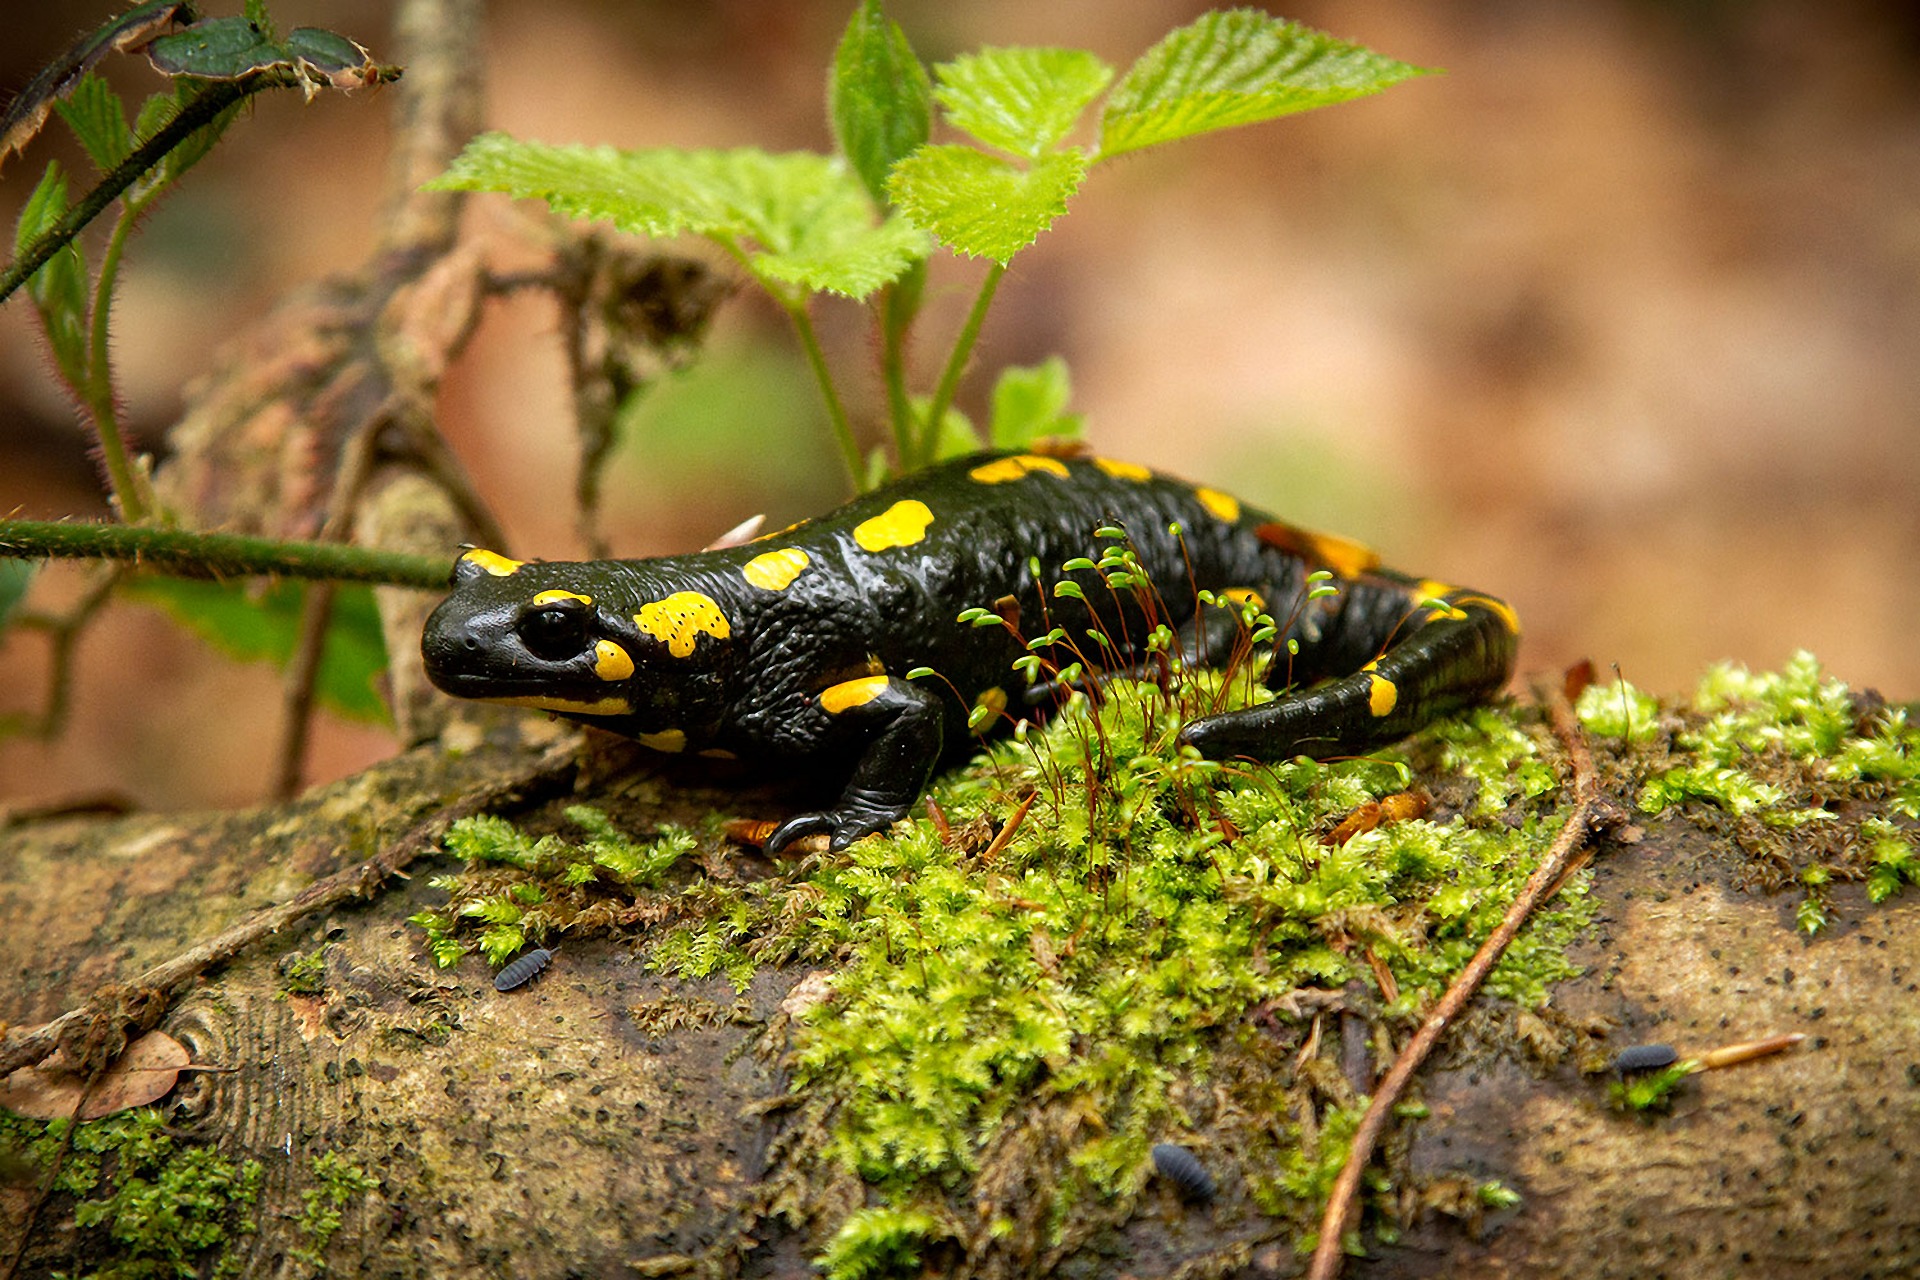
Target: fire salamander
[{"x": 795, "y": 647}]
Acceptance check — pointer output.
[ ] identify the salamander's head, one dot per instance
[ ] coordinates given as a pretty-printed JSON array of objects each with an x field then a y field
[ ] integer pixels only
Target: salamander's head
[{"x": 530, "y": 634}]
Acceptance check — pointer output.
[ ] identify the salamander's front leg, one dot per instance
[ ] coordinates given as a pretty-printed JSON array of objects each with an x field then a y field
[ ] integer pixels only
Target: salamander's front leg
[
  {"x": 1452, "y": 658},
  {"x": 903, "y": 722}
]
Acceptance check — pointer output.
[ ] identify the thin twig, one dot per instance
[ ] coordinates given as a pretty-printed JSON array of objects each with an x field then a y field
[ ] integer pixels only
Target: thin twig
[
  {"x": 105, "y": 1021},
  {"x": 1581, "y": 821}
]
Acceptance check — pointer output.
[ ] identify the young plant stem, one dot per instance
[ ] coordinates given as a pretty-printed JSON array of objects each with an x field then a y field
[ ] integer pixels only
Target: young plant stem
[
  {"x": 228, "y": 555},
  {"x": 893, "y": 370},
  {"x": 836, "y": 412},
  {"x": 130, "y": 489},
  {"x": 956, "y": 366}
]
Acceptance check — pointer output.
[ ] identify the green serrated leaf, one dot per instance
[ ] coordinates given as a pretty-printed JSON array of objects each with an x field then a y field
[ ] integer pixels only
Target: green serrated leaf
[
  {"x": 264, "y": 626},
  {"x": 94, "y": 113},
  {"x": 1020, "y": 100},
  {"x": 1031, "y": 403},
  {"x": 797, "y": 218},
  {"x": 878, "y": 98},
  {"x": 981, "y": 205},
  {"x": 1232, "y": 68},
  {"x": 852, "y": 264},
  {"x": 59, "y": 288}
]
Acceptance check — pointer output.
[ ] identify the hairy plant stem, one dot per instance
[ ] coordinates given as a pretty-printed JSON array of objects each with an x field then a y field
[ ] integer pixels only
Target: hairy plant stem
[
  {"x": 130, "y": 488},
  {"x": 191, "y": 118},
  {"x": 957, "y": 364},
  {"x": 217, "y": 555},
  {"x": 836, "y": 412}
]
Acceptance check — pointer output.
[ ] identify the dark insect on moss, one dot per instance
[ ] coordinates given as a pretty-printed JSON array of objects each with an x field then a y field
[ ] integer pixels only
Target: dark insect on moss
[
  {"x": 1644, "y": 1057},
  {"x": 523, "y": 970},
  {"x": 1183, "y": 1169}
]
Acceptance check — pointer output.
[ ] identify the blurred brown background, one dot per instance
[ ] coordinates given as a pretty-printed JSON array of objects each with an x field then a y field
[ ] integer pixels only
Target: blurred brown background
[{"x": 1618, "y": 318}]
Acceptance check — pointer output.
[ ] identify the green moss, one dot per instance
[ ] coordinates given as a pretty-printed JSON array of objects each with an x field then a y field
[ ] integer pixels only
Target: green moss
[
  {"x": 304, "y": 975},
  {"x": 1792, "y": 765},
  {"x": 145, "y": 1203},
  {"x": 339, "y": 1182}
]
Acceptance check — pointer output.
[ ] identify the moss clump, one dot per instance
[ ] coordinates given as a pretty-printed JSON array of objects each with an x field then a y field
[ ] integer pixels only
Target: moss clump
[
  {"x": 338, "y": 1183},
  {"x": 145, "y": 1204},
  {"x": 1791, "y": 764},
  {"x": 519, "y": 888}
]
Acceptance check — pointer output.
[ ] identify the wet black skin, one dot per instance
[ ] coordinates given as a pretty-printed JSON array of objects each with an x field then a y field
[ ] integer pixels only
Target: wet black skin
[{"x": 855, "y": 613}]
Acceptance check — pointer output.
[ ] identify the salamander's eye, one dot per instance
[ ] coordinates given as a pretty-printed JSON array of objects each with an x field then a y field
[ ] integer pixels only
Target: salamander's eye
[{"x": 555, "y": 631}]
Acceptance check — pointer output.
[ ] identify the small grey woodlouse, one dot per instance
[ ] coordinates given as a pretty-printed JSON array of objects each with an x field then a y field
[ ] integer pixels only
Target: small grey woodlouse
[
  {"x": 1183, "y": 1169},
  {"x": 1644, "y": 1057},
  {"x": 523, "y": 970}
]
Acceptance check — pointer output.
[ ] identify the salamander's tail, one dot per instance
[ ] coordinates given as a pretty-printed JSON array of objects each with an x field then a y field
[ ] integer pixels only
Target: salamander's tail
[{"x": 1443, "y": 649}]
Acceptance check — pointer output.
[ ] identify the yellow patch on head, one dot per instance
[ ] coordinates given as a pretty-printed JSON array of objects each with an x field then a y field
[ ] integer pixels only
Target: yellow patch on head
[
  {"x": 579, "y": 706},
  {"x": 681, "y": 619},
  {"x": 776, "y": 570},
  {"x": 900, "y": 525},
  {"x": 610, "y": 661},
  {"x": 1123, "y": 470},
  {"x": 550, "y": 597},
  {"x": 1224, "y": 506},
  {"x": 849, "y": 694},
  {"x": 492, "y": 561},
  {"x": 672, "y": 741},
  {"x": 1382, "y": 696},
  {"x": 1001, "y": 470}
]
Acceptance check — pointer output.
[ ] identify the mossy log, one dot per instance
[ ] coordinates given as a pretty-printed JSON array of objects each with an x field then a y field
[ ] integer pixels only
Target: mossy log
[{"x": 604, "y": 1120}]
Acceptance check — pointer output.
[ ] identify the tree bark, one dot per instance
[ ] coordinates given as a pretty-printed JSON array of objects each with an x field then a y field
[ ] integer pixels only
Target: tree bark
[{"x": 548, "y": 1132}]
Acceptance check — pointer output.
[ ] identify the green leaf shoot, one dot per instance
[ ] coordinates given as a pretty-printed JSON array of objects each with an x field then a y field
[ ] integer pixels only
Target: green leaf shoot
[
  {"x": 94, "y": 113},
  {"x": 15, "y": 577},
  {"x": 1030, "y": 403},
  {"x": 981, "y": 205},
  {"x": 1236, "y": 67},
  {"x": 1023, "y": 101},
  {"x": 59, "y": 288},
  {"x": 878, "y": 99}
]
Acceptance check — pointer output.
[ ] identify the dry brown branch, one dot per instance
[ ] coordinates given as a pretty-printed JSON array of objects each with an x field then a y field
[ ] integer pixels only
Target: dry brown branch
[{"x": 1586, "y": 815}]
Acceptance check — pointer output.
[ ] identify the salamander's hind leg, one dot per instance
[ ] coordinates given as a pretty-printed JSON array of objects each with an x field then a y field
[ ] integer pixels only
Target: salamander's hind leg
[
  {"x": 1433, "y": 661},
  {"x": 904, "y": 721}
]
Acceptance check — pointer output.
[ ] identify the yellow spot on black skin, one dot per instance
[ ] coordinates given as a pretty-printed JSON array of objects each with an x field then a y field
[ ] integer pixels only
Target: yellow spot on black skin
[
  {"x": 900, "y": 525},
  {"x": 1383, "y": 696},
  {"x": 549, "y": 597},
  {"x": 681, "y": 619},
  {"x": 671, "y": 741},
  {"x": 492, "y": 561},
  {"x": 610, "y": 661},
  {"x": 1244, "y": 596},
  {"x": 579, "y": 706},
  {"x": 1001, "y": 470},
  {"x": 1224, "y": 506},
  {"x": 776, "y": 570},
  {"x": 1344, "y": 556},
  {"x": 1499, "y": 607},
  {"x": 849, "y": 694},
  {"x": 1123, "y": 470}
]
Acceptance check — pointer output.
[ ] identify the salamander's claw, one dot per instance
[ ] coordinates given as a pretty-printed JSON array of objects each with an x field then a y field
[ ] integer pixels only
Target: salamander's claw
[{"x": 855, "y": 816}]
